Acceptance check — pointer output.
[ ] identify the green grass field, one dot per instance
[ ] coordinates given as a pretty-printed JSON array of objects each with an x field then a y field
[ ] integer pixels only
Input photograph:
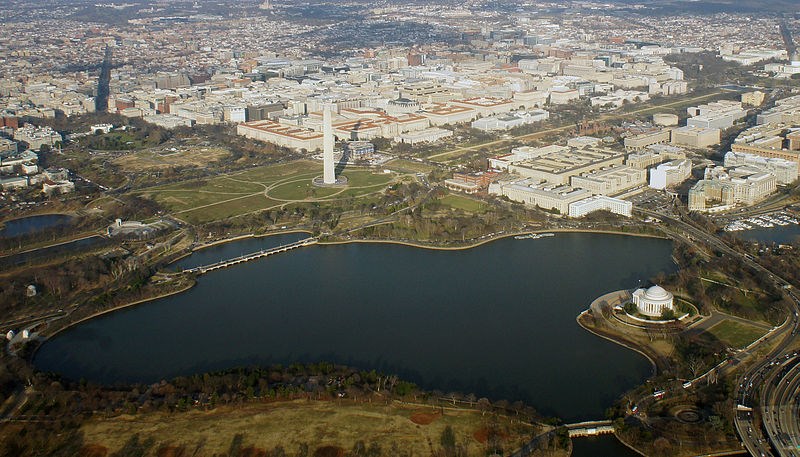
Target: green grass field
[
  {"x": 245, "y": 205},
  {"x": 409, "y": 166},
  {"x": 739, "y": 302},
  {"x": 199, "y": 201},
  {"x": 463, "y": 203},
  {"x": 301, "y": 189},
  {"x": 736, "y": 334},
  {"x": 271, "y": 173},
  {"x": 366, "y": 178},
  {"x": 315, "y": 423}
]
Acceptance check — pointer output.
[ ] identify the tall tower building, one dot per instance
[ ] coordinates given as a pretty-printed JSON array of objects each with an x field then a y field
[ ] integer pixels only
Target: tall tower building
[{"x": 328, "y": 167}]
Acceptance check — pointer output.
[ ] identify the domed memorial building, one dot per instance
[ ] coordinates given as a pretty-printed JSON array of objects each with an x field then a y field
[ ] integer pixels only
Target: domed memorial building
[{"x": 653, "y": 301}]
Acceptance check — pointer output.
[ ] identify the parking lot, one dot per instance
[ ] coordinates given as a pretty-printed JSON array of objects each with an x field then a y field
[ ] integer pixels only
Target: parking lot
[{"x": 651, "y": 199}]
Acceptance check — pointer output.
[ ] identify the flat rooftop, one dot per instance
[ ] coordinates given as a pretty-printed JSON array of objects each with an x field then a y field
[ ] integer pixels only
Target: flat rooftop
[
  {"x": 567, "y": 160},
  {"x": 445, "y": 110},
  {"x": 483, "y": 102},
  {"x": 282, "y": 130}
]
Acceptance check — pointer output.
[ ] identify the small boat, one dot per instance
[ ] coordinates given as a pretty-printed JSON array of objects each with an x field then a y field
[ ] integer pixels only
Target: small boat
[{"x": 533, "y": 236}]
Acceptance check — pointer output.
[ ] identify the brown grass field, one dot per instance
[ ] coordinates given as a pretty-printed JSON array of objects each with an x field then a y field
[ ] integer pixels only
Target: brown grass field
[
  {"x": 324, "y": 426},
  {"x": 184, "y": 157}
]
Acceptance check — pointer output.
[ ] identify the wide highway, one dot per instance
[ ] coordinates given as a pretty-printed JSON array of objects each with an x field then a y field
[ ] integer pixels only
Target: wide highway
[
  {"x": 779, "y": 406},
  {"x": 765, "y": 437}
]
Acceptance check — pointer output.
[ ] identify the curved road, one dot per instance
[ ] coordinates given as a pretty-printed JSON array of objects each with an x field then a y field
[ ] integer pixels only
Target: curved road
[{"x": 747, "y": 387}]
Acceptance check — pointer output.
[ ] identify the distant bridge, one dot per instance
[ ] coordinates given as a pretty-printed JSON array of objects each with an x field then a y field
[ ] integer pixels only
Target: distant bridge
[
  {"x": 588, "y": 428},
  {"x": 252, "y": 256}
]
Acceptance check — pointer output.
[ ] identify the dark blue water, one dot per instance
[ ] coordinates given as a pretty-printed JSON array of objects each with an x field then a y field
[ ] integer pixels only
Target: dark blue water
[
  {"x": 497, "y": 320},
  {"x": 779, "y": 234},
  {"x": 226, "y": 251},
  {"x": 600, "y": 446},
  {"x": 51, "y": 251},
  {"x": 32, "y": 224}
]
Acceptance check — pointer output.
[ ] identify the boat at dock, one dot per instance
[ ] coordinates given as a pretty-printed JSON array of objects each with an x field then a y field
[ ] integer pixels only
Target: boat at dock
[{"x": 533, "y": 236}]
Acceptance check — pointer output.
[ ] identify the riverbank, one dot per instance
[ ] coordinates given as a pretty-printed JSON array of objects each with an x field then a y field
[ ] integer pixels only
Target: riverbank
[
  {"x": 450, "y": 291},
  {"x": 72, "y": 239},
  {"x": 490, "y": 239},
  {"x": 243, "y": 237},
  {"x": 628, "y": 445},
  {"x": 223, "y": 241},
  {"x": 47, "y": 335},
  {"x": 344, "y": 242},
  {"x": 624, "y": 343}
]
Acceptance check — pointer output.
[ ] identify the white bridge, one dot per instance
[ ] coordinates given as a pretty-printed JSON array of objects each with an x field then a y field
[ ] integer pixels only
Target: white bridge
[{"x": 252, "y": 256}]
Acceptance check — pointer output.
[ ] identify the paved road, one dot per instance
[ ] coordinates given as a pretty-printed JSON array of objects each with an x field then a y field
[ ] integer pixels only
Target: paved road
[
  {"x": 778, "y": 394},
  {"x": 541, "y": 133},
  {"x": 717, "y": 316},
  {"x": 747, "y": 389},
  {"x": 745, "y": 422}
]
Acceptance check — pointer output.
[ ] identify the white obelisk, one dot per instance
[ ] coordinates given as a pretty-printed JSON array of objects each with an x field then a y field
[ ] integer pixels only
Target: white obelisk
[{"x": 328, "y": 172}]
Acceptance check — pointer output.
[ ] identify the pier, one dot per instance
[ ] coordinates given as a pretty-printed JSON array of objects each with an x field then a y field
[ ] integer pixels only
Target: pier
[{"x": 252, "y": 256}]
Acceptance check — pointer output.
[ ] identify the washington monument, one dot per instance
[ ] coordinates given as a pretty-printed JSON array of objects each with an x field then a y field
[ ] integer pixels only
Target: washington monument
[{"x": 328, "y": 167}]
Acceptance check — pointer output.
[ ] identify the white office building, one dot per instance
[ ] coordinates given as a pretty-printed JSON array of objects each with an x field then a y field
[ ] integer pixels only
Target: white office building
[
  {"x": 535, "y": 193},
  {"x": 610, "y": 180},
  {"x": 785, "y": 171},
  {"x": 511, "y": 120},
  {"x": 716, "y": 115},
  {"x": 670, "y": 173},
  {"x": 598, "y": 203}
]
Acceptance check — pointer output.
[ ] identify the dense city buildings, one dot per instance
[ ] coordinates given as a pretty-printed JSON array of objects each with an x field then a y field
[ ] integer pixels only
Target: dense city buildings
[
  {"x": 145, "y": 145},
  {"x": 722, "y": 188}
]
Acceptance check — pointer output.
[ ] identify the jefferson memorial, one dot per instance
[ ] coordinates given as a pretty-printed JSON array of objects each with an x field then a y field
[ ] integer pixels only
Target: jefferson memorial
[{"x": 653, "y": 301}]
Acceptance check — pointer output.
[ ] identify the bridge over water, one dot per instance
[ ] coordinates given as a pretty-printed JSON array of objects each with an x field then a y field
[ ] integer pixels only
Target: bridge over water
[
  {"x": 588, "y": 428},
  {"x": 252, "y": 256}
]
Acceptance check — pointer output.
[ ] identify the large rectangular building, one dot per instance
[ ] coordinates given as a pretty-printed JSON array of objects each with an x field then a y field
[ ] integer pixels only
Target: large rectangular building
[
  {"x": 722, "y": 189},
  {"x": 486, "y": 106},
  {"x": 283, "y": 135},
  {"x": 380, "y": 125},
  {"x": 786, "y": 111},
  {"x": 768, "y": 140},
  {"x": 611, "y": 180},
  {"x": 785, "y": 171},
  {"x": 530, "y": 99},
  {"x": 654, "y": 155},
  {"x": 639, "y": 142},
  {"x": 696, "y": 137},
  {"x": 36, "y": 137},
  {"x": 470, "y": 183},
  {"x": 427, "y": 91},
  {"x": 442, "y": 114},
  {"x": 588, "y": 205},
  {"x": 556, "y": 164},
  {"x": 429, "y": 135},
  {"x": 716, "y": 115},
  {"x": 543, "y": 195},
  {"x": 509, "y": 121},
  {"x": 670, "y": 174}
]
